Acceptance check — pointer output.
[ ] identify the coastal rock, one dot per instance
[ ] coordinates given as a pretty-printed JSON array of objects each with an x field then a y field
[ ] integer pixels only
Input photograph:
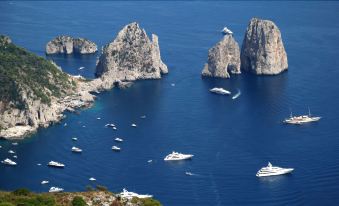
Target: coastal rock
[
  {"x": 5, "y": 40},
  {"x": 68, "y": 45},
  {"x": 131, "y": 56},
  {"x": 262, "y": 51},
  {"x": 223, "y": 58}
]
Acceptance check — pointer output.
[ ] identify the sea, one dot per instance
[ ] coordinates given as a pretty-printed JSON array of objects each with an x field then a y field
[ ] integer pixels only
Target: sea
[{"x": 231, "y": 139}]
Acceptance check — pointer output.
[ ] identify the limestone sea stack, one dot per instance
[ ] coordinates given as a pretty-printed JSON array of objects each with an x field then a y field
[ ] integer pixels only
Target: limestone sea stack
[
  {"x": 131, "y": 56},
  {"x": 223, "y": 58},
  {"x": 263, "y": 51},
  {"x": 69, "y": 45}
]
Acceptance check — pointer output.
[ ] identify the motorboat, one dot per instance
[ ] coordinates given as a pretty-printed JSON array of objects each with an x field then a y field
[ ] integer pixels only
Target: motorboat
[
  {"x": 56, "y": 164},
  {"x": 39, "y": 164},
  {"x": 133, "y": 125},
  {"x": 75, "y": 139},
  {"x": 237, "y": 95},
  {"x": 44, "y": 182},
  {"x": 114, "y": 128},
  {"x": 273, "y": 171},
  {"x": 109, "y": 125},
  {"x": 14, "y": 156},
  {"x": 189, "y": 173},
  {"x": 11, "y": 152},
  {"x": 226, "y": 30},
  {"x": 149, "y": 161},
  {"x": 56, "y": 189},
  {"x": 129, "y": 195},
  {"x": 143, "y": 117},
  {"x": 9, "y": 162},
  {"x": 76, "y": 149},
  {"x": 220, "y": 91},
  {"x": 92, "y": 179},
  {"x": 173, "y": 85},
  {"x": 301, "y": 119},
  {"x": 65, "y": 125},
  {"x": 115, "y": 148},
  {"x": 15, "y": 143},
  {"x": 98, "y": 118},
  {"x": 175, "y": 156},
  {"x": 118, "y": 139},
  {"x": 81, "y": 68}
]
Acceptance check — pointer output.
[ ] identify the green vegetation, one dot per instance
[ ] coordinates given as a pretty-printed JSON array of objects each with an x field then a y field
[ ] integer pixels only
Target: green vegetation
[
  {"x": 78, "y": 201},
  {"x": 22, "y": 71},
  {"x": 24, "y": 197},
  {"x": 146, "y": 201}
]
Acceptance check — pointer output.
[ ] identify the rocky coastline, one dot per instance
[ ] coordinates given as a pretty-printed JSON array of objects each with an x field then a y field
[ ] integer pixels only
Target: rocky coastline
[{"x": 68, "y": 45}]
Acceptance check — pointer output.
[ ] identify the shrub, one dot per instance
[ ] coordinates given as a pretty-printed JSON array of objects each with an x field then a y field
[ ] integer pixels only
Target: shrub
[
  {"x": 6, "y": 204},
  {"x": 21, "y": 192},
  {"x": 78, "y": 201},
  {"x": 101, "y": 188}
]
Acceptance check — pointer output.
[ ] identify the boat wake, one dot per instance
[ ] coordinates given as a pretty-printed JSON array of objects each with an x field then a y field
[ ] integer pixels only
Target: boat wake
[{"x": 237, "y": 94}]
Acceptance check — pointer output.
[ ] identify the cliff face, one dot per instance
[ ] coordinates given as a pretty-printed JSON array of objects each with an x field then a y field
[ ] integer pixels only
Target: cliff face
[
  {"x": 263, "y": 51},
  {"x": 223, "y": 58},
  {"x": 131, "y": 56},
  {"x": 68, "y": 45}
]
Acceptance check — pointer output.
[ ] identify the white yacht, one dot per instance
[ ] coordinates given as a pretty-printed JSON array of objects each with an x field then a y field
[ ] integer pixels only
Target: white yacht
[
  {"x": 115, "y": 148},
  {"x": 8, "y": 162},
  {"x": 44, "y": 182},
  {"x": 237, "y": 95},
  {"x": 118, "y": 139},
  {"x": 174, "y": 156},
  {"x": 81, "y": 68},
  {"x": 75, "y": 139},
  {"x": 272, "y": 171},
  {"x": 15, "y": 143},
  {"x": 133, "y": 125},
  {"x": 11, "y": 152},
  {"x": 98, "y": 118},
  {"x": 189, "y": 173},
  {"x": 226, "y": 30},
  {"x": 143, "y": 117},
  {"x": 55, "y": 189},
  {"x": 56, "y": 164},
  {"x": 92, "y": 179},
  {"x": 110, "y": 125},
  {"x": 76, "y": 149},
  {"x": 129, "y": 195},
  {"x": 301, "y": 119},
  {"x": 14, "y": 156},
  {"x": 149, "y": 161},
  {"x": 220, "y": 91}
]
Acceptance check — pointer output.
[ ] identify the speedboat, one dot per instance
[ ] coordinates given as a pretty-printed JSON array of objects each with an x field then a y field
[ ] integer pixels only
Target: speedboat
[
  {"x": 189, "y": 173},
  {"x": 175, "y": 156},
  {"x": 44, "y": 182},
  {"x": 173, "y": 85},
  {"x": 220, "y": 91},
  {"x": 114, "y": 128},
  {"x": 237, "y": 95},
  {"x": 15, "y": 143},
  {"x": 81, "y": 68},
  {"x": 118, "y": 139},
  {"x": 56, "y": 189},
  {"x": 115, "y": 148},
  {"x": 273, "y": 171},
  {"x": 149, "y": 161},
  {"x": 98, "y": 118},
  {"x": 14, "y": 156},
  {"x": 225, "y": 30},
  {"x": 11, "y": 152},
  {"x": 39, "y": 164},
  {"x": 75, "y": 139},
  {"x": 129, "y": 195},
  {"x": 56, "y": 164},
  {"x": 76, "y": 149},
  {"x": 301, "y": 119},
  {"x": 133, "y": 125},
  {"x": 9, "y": 162},
  {"x": 65, "y": 125},
  {"x": 109, "y": 125},
  {"x": 143, "y": 117},
  {"x": 92, "y": 179}
]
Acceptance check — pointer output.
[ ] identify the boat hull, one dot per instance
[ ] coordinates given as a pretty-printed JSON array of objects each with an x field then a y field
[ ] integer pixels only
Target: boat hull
[{"x": 282, "y": 172}]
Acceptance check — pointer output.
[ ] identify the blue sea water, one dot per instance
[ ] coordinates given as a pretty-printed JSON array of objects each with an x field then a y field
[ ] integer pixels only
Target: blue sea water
[{"x": 231, "y": 139}]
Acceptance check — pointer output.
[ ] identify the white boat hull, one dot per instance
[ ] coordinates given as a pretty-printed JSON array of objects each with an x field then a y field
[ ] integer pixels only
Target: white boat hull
[{"x": 282, "y": 172}]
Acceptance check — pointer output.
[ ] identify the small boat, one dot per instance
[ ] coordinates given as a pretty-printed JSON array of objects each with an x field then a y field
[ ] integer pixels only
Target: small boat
[
  {"x": 76, "y": 149},
  {"x": 44, "y": 182},
  {"x": 65, "y": 125},
  {"x": 56, "y": 164},
  {"x": 175, "y": 156},
  {"x": 225, "y": 30},
  {"x": 98, "y": 118},
  {"x": 15, "y": 156},
  {"x": 189, "y": 173},
  {"x": 301, "y": 119},
  {"x": 273, "y": 171},
  {"x": 109, "y": 125},
  {"x": 9, "y": 162},
  {"x": 75, "y": 139},
  {"x": 114, "y": 128},
  {"x": 15, "y": 143},
  {"x": 55, "y": 189},
  {"x": 133, "y": 125},
  {"x": 237, "y": 94},
  {"x": 129, "y": 195},
  {"x": 173, "y": 85},
  {"x": 0, "y": 146},
  {"x": 84, "y": 126},
  {"x": 149, "y": 161},
  {"x": 92, "y": 179},
  {"x": 115, "y": 148},
  {"x": 81, "y": 68},
  {"x": 220, "y": 91},
  {"x": 143, "y": 117},
  {"x": 118, "y": 139},
  {"x": 11, "y": 152},
  {"x": 39, "y": 164}
]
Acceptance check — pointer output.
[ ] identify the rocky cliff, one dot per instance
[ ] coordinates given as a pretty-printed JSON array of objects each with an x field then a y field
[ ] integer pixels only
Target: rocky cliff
[
  {"x": 34, "y": 92},
  {"x": 131, "y": 56},
  {"x": 223, "y": 58},
  {"x": 262, "y": 50},
  {"x": 68, "y": 45}
]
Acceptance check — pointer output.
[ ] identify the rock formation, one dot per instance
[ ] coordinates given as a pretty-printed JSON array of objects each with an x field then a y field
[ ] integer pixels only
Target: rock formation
[
  {"x": 68, "y": 45},
  {"x": 224, "y": 57},
  {"x": 262, "y": 50},
  {"x": 131, "y": 56}
]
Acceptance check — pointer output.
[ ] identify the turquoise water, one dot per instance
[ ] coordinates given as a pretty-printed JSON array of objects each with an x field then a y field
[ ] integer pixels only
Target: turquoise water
[{"x": 231, "y": 139}]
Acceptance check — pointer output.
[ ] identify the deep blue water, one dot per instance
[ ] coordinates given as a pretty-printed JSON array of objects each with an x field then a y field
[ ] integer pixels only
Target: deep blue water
[{"x": 231, "y": 139}]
